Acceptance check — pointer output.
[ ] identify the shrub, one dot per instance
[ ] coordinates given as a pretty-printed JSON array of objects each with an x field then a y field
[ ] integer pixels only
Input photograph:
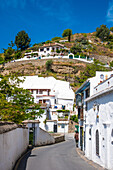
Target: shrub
[
  {"x": 49, "y": 65},
  {"x": 55, "y": 38},
  {"x": 74, "y": 118}
]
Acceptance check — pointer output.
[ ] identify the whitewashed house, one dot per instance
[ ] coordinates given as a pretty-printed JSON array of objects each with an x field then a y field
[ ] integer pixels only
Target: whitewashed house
[
  {"x": 31, "y": 54},
  {"x": 97, "y": 110},
  {"x": 53, "y": 95},
  {"x": 45, "y": 50},
  {"x": 50, "y": 49},
  {"x": 99, "y": 124},
  {"x": 85, "y": 91}
]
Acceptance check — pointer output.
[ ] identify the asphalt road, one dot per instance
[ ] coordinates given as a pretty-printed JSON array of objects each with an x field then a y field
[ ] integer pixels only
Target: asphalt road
[{"x": 62, "y": 156}]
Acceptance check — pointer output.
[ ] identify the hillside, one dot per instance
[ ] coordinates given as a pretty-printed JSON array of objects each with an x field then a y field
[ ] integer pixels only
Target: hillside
[
  {"x": 70, "y": 70},
  {"x": 90, "y": 45}
]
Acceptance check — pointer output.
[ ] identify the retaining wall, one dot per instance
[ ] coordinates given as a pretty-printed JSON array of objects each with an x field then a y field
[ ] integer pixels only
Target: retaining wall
[
  {"x": 14, "y": 141},
  {"x": 44, "y": 138}
]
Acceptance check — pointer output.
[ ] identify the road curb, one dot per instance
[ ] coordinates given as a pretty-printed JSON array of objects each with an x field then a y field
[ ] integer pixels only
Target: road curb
[{"x": 82, "y": 155}]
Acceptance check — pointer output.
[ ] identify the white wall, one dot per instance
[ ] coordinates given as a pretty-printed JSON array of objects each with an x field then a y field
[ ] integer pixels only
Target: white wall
[
  {"x": 105, "y": 127},
  {"x": 44, "y": 138},
  {"x": 50, "y": 126},
  {"x": 12, "y": 145},
  {"x": 63, "y": 130}
]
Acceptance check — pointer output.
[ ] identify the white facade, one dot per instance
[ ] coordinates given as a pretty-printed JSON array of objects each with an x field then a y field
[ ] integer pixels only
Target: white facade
[
  {"x": 12, "y": 145},
  {"x": 99, "y": 124},
  {"x": 89, "y": 85},
  {"x": 50, "y": 49},
  {"x": 51, "y": 93},
  {"x": 45, "y": 50}
]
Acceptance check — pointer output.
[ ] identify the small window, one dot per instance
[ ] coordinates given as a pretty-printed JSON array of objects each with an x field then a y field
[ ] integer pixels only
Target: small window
[
  {"x": 87, "y": 93},
  {"x": 63, "y": 126},
  {"x": 40, "y": 92},
  {"x": 36, "y": 91},
  {"x": 32, "y": 91},
  {"x": 41, "y": 49},
  {"x": 90, "y": 131},
  {"x": 97, "y": 142},
  {"x": 47, "y": 49},
  {"x": 55, "y": 101}
]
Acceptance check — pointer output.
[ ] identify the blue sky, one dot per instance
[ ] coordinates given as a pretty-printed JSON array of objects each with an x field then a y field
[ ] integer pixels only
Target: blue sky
[{"x": 45, "y": 19}]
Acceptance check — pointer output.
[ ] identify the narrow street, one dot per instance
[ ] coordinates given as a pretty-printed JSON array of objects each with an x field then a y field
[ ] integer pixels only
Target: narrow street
[{"x": 61, "y": 156}]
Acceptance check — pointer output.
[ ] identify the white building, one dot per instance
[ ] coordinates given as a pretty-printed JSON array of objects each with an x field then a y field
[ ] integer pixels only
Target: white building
[
  {"x": 99, "y": 124},
  {"x": 50, "y": 49},
  {"x": 53, "y": 95},
  {"x": 97, "y": 110},
  {"x": 85, "y": 91},
  {"x": 45, "y": 50}
]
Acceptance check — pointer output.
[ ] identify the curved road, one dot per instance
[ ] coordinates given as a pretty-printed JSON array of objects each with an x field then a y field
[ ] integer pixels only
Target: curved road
[{"x": 61, "y": 156}]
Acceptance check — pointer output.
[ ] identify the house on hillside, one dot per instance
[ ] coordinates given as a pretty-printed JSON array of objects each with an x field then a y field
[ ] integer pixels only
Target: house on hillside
[
  {"x": 45, "y": 50},
  {"x": 50, "y": 49},
  {"x": 56, "y": 97},
  {"x": 31, "y": 54},
  {"x": 84, "y": 92}
]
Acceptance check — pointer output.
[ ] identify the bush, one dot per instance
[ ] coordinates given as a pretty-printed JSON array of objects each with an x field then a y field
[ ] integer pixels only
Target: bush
[
  {"x": 111, "y": 64},
  {"x": 55, "y": 38},
  {"x": 49, "y": 65},
  {"x": 17, "y": 55},
  {"x": 74, "y": 118},
  {"x": 1, "y": 60}
]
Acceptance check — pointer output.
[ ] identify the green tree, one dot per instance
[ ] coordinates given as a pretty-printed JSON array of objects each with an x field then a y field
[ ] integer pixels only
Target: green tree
[
  {"x": 8, "y": 53},
  {"x": 111, "y": 29},
  {"x": 22, "y": 40},
  {"x": 67, "y": 33},
  {"x": 102, "y": 32},
  {"x": 49, "y": 65},
  {"x": 17, "y": 55},
  {"x": 16, "y": 102},
  {"x": 1, "y": 60}
]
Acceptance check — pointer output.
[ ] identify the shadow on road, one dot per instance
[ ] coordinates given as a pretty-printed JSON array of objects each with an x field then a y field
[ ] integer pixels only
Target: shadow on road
[{"x": 22, "y": 162}]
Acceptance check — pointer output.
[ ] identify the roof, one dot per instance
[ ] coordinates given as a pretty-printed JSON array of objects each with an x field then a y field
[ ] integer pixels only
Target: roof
[
  {"x": 61, "y": 88},
  {"x": 83, "y": 86},
  {"x": 52, "y": 44}
]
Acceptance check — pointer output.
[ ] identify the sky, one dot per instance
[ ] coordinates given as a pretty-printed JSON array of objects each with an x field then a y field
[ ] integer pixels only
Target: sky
[{"x": 45, "y": 19}]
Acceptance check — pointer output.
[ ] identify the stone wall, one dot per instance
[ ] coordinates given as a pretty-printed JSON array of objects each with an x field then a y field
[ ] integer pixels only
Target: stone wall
[{"x": 14, "y": 141}]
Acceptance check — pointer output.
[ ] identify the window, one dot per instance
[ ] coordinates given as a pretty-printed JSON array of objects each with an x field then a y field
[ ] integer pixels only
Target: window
[
  {"x": 36, "y": 91},
  {"x": 41, "y": 49},
  {"x": 40, "y": 101},
  {"x": 55, "y": 101},
  {"x": 40, "y": 92},
  {"x": 62, "y": 125},
  {"x": 87, "y": 93},
  {"x": 53, "y": 49},
  {"x": 32, "y": 91},
  {"x": 44, "y": 101},
  {"x": 97, "y": 142},
  {"x": 47, "y": 49}
]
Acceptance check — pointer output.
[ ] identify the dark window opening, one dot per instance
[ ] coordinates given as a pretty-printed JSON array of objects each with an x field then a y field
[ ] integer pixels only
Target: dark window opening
[
  {"x": 97, "y": 142},
  {"x": 87, "y": 93}
]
